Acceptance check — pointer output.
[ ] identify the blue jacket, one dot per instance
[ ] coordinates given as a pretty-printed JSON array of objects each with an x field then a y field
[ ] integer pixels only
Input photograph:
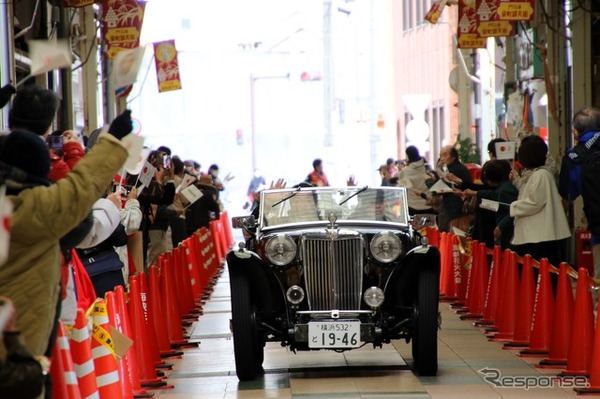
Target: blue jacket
[{"x": 569, "y": 186}]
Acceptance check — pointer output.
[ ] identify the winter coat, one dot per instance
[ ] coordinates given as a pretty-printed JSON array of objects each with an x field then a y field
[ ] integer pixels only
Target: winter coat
[
  {"x": 416, "y": 173},
  {"x": 31, "y": 275},
  {"x": 538, "y": 213}
]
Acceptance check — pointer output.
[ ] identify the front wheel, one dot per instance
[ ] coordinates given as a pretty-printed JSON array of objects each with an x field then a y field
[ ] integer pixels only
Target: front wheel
[
  {"x": 247, "y": 348},
  {"x": 424, "y": 343}
]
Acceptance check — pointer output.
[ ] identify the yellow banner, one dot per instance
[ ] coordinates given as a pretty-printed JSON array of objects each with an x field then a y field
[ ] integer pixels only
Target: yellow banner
[{"x": 521, "y": 11}]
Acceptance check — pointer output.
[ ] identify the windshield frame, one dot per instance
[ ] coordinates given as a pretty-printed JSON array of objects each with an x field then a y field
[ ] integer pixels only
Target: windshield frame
[{"x": 272, "y": 217}]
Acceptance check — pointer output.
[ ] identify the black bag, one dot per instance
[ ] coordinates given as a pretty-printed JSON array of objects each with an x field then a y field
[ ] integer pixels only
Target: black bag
[
  {"x": 101, "y": 262},
  {"x": 590, "y": 181},
  {"x": 104, "y": 269}
]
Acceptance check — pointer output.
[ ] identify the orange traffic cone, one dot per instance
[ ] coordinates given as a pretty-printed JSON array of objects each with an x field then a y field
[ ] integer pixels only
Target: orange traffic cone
[
  {"x": 148, "y": 376},
  {"x": 479, "y": 285},
  {"x": 62, "y": 370},
  {"x": 594, "y": 380},
  {"x": 579, "y": 359},
  {"x": 122, "y": 367},
  {"x": 171, "y": 312},
  {"x": 491, "y": 297},
  {"x": 444, "y": 261},
  {"x": 103, "y": 350},
  {"x": 543, "y": 314},
  {"x": 130, "y": 358},
  {"x": 563, "y": 315},
  {"x": 508, "y": 309},
  {"x": 463, "y": 304},
  {"x": 192, "y": 264},
  {"x": 525, "y": 309},
  {"x": 83, "y": 361}
]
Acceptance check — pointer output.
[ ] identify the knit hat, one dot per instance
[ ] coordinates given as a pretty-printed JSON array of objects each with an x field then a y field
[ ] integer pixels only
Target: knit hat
[
  {"x": 27, "y": 152},
  {"x": 33, "y": 109},
  {"x": 412, "y": 153}
]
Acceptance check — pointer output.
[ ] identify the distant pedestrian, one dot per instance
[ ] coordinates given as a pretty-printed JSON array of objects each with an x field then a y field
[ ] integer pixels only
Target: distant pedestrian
[{"x": 317, "y": 177}]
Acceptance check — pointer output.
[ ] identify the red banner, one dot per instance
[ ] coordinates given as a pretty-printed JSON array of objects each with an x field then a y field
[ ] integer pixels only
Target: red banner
[
  {"x": 122, "y": 24},
  {"x": 467, "y": 35},
  {"x": 489, "y": 23},
  {"x": 167, "y": 66}
]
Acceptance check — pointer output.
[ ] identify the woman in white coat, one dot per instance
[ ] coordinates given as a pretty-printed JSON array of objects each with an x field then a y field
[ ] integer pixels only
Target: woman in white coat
[
  {"x": 413, "y": 176},
  {"x": 539, "y": 218}
]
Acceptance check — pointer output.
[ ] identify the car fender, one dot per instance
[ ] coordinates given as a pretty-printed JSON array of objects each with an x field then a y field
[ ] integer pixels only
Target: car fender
[
  {"x": 400, "y": 288},
  {"x": 265, "y": 286}
]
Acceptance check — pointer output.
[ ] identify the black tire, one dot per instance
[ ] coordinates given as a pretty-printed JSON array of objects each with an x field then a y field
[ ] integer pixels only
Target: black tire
[
  {"x": 247, "y": 347},
  {"x": 424, "y": 341}
]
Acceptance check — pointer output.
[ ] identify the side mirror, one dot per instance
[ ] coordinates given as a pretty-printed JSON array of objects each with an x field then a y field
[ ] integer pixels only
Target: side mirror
[
  {"x": 243, "y": 222},
  {"x": 424, "y": 220}
]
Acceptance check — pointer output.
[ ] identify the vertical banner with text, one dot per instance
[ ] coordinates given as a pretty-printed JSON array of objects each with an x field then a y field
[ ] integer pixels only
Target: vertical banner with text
[
  {"x": 122, "y": 24},
  {"x": 467, "y": 35},
  {"x": 167, "y": 66}
]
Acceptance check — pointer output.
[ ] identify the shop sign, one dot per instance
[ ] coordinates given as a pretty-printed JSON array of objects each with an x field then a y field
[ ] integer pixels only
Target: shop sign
[
  {"x": 489, "y": 23},
  {"x": 516, "y": 10},
  {"x": 467, "y": 35},
  {"x": 122, "y": 24}
]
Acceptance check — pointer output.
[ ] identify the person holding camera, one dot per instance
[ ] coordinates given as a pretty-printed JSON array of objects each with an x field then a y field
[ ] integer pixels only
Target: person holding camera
[{"x": 21, "y": 375}]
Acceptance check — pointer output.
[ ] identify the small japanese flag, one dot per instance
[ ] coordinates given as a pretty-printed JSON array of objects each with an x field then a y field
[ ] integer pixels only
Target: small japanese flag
[
  {"x": 6, "y": 209},
  {"x": 146, "y": 174},
  {"x": 505, "y": 150},
  {"x": 192, "y": 194},
  {"x": 187, "y": 180},
  {"x": 49, "y": 55}
]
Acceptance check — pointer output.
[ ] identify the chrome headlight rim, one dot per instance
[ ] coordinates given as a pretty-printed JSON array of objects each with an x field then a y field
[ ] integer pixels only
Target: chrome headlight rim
[
  {"x": 374, "y": 297},
  {"x": 281, "y": 250},
  {"x": 385, "y": 247},
  {"x": 295, "y": 294}
]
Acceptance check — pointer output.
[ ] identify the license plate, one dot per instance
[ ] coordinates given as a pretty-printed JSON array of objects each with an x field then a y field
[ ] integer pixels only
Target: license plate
[{"x": 334, "y": 334}]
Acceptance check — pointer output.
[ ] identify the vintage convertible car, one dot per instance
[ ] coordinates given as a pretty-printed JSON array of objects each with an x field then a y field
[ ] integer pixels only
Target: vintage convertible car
[{"x": 333, "y": 268}]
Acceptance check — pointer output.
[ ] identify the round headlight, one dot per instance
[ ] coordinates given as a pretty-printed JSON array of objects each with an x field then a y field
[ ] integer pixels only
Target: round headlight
[
  {"x": 373, "y": 297},
  {"x": 386, "y": 247},
  {"x": 281, "y": 250},
  {"x": 295, "y": 294}
]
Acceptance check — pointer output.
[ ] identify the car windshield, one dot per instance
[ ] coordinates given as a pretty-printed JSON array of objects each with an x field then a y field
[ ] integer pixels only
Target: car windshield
[{"x": 309, "y": 205}]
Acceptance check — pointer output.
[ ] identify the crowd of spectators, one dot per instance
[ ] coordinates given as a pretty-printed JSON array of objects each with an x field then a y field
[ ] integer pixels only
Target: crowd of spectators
[{"x": 81, "y": 224}]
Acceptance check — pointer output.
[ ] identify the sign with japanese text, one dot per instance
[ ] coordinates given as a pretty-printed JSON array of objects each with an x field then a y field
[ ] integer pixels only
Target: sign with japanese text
[
  {"x": 467, "y": 35},
  {"x": 122, "y": 24},
  {"x": 489, "y": 23},
  {"x": 167, "y": 66},
  {"x": 516, "y": 10}
]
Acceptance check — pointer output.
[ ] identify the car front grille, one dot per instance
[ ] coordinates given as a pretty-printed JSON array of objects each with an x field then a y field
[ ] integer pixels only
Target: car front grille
[{"x": 333, "y": 271}]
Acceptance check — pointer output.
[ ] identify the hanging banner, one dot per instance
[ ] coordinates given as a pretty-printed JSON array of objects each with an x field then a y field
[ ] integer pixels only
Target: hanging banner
[
  {"x": 516, "y": 10},
  {"x": 167, "y": 66},
  {"x": 78, "y": 3},
  {"x": 435, "y": 11},
  {"x": 122, "y": 24},
  {"x": 467, "y": 35},
  {"x": 489, "y": 23}
]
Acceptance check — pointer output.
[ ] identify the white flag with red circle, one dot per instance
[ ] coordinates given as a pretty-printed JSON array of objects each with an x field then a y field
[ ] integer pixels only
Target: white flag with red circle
[{"x": 505, "y": 150}]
